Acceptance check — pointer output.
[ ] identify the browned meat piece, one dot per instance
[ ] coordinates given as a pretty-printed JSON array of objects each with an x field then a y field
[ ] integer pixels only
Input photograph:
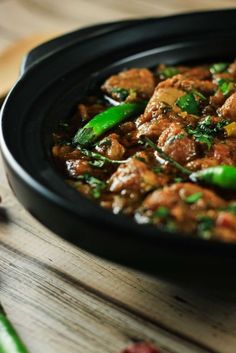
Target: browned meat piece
[
  {"x": 64, "y": 152},
  {"x": 140, "y": 80},
  {"x": 226, "y": 226},
  {"x": 232, "y": 69},
  {"x": 175, "y": 142},
  {"x": 111, "y": 147},
  {"x": 202, "y": 163},
  {"x": 174, "y": 199},
  {"x": 189, "y": 84},
  {"x": 135, "y": 176},
  {"x": 129, "y": 134},
  {"x": 176, "y": 194},
  {"x": 86, "y": 112},
  {"x": 162, "y": 98},
  {"x": 154, "y": 128},
  {"x": 228, "y": 109},
  {"x": 126, "y": 204},
  {"x": 77, "y": 167},
  {"x": 199, "y": 72},
  {"x": 224, "y": 154},
  {"x": 217, "y": 100},
  {"x": 222, "y": 75},
  {"x": 221, "y": 153}
]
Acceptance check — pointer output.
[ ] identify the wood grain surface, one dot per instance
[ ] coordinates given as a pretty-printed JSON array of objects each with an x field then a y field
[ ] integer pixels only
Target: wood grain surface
[{"x": 62, "y": 299}]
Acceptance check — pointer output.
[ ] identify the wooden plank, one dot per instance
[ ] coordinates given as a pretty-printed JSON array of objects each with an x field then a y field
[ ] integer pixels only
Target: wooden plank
[
  {"x": 63, "y": 316},
  {"x": 206, "y": 320}
]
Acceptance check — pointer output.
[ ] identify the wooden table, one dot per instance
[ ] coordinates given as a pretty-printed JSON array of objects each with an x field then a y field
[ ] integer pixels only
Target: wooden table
[{"x": 64, "y": 300}]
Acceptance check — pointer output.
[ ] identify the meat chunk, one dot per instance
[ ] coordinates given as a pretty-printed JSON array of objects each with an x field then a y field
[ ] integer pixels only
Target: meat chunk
[
  {"x": 64, "y": 152},
  {"x": 162, "y": 97},
  {"x": 217, "y": 100},
  {"x": 223, "y": 153},
  {"x": 202, "y": 163},
  {"x": 199, "y": 72},
  {"x": 226, "y": 226},
  {"x": 175, "y": 142},
  {"x": 154, "y": 128},
  {"x": 228, "y": 109},
  {"x": 141, "y": 81},
  {"x": 232, "y": 69},
  {"x": 88, "y": 111},
  {"x": 134, "y": 176},
  {"x": 188, "y": 84},
  {"x": 111, "y": 148},
  {"x": 77, "y": 167},
  {"x": 176, "y": 194},
  {"x": 174, "y": 198}
]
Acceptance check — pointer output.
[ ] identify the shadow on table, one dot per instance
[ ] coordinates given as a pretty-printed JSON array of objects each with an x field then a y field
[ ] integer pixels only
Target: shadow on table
[{"x": 3, "y": 215}]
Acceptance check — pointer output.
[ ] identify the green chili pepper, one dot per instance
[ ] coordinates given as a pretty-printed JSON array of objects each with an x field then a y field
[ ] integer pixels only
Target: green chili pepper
[
  {"x": 105, "y": 121},
  {"x": 223, "y": 176},
  {"x": 188, "y": 103},
  {"x": 9, "y": 340}
]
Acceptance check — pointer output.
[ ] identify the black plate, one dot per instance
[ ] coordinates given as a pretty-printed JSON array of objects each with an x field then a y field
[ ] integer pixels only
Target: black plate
[{"x": 48, "y": 91}]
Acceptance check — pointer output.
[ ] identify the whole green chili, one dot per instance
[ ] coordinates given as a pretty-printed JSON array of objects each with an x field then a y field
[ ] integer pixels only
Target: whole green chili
[
  {"x": 223, "y": 176},
  {"x": 9, "y": 340},
  {"x": 105, "y": 121}
]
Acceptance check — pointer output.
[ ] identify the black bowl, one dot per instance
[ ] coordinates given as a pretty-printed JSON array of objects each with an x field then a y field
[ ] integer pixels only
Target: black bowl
[{"x": 60, "y": 73}]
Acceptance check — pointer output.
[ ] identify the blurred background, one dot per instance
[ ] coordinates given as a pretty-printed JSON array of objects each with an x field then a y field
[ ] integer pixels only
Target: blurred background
[{"x": 25, "y": 23}]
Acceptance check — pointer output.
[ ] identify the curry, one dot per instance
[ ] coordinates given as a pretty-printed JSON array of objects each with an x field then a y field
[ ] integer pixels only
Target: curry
[{"x": 158, "y": 146}]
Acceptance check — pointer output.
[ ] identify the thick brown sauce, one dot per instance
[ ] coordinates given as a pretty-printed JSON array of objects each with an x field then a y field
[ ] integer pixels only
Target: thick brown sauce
[{"x": 146, "y": 186}]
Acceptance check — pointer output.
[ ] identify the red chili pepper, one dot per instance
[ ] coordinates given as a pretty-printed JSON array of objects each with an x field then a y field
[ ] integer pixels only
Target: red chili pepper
[{"x": 141, "y": 347}]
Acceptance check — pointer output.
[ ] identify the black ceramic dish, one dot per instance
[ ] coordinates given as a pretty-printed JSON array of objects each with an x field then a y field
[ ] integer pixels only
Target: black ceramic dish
[{"x": 67, "y": 69}]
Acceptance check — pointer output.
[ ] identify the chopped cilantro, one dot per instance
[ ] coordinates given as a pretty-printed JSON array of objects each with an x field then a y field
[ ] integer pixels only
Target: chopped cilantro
[
  {"x": 230, "y": 208},
  {"x": 218, "y": 68},
  {"x": 199, "y": 94},
  {"x": 169, "y": 72},
  {"x": 121, "y": 93},
  {"x": 96, "y": 163},
  {"x": 157, "y": 169},
  {"x": 175, "y": 138},
  {"x": 141, "y": 159},
  {"x": 225, "y": 86},
  {"x": 161, "y": 212},
  {"x": 206, "y": 130},
  {"x": 178, "y": 180},
  {"x": 99, "y": 157},
  {"x": 97, "y": 185},
  {"x": 205, "y": 225},
  {"x": 188, "y": 103},
  {"x": 104, "y": 142},
  {"x": 193, "y": 198}
]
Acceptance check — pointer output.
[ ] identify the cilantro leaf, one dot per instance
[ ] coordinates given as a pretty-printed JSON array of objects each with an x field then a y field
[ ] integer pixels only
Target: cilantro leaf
[
  {"x": 97, "y": 185},
  {"x": 188, "y": 103},
  {"x": 161, "y": 212},
  {"x": 169, "y": 72},
  {"x": 193, "y": 198}
]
